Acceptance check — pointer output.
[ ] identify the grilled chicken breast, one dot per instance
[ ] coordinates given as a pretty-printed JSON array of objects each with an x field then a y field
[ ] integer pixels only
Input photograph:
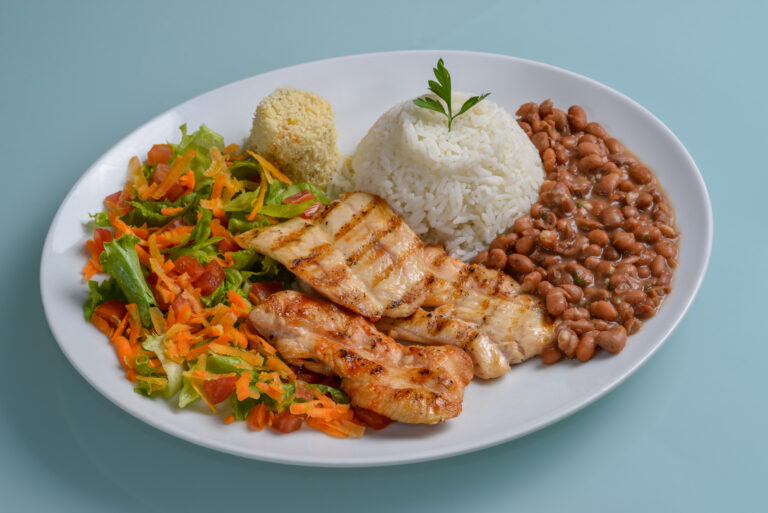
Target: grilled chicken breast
[
  {"x": 357, "y": 253},
  {"x": 483, "y": 299},
  {"x": 414, "y": 384}
]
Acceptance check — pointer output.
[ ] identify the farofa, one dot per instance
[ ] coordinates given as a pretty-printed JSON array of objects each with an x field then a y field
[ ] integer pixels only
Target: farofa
[{"x": 295, "y": 129}]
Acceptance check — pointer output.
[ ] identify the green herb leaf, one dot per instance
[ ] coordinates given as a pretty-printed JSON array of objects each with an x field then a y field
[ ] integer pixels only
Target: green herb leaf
[{"x": 442, "y": 88}]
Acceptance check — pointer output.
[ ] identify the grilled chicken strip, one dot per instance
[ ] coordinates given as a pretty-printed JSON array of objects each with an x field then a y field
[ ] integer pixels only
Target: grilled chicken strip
[
  {"x": 440, "y": 326},
  {"x": 485, "y": 300},
  {"x": 357, "y": 253},
  {"x": 414, "y": 384}
]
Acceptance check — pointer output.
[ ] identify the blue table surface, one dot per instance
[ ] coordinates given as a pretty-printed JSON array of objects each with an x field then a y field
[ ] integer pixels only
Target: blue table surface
[{"x": 687, "y": 432}]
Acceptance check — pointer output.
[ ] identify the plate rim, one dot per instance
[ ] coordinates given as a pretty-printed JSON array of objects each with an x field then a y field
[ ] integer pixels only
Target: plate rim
[{"x": 431, "y": 454}]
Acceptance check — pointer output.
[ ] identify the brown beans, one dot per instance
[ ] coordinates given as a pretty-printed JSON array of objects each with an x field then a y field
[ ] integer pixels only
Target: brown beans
[
  {"x": 550, "y": 355},
  {"x": 561, "y": 154},
  {"x": 590, "y": 163},
  {"x": 567, "y": 341},
  {"x": 481, "y": 258},
  {"x": 612, "y": 340},
  {"x": 525, "y": 245},
  {"x": 540, "y": 140},
  {"x": 497, "y": 259},
  {"x": 607, "y": 184},
  {"x": 520, "y": 263},
  {"x": 573, "y": 293},
  {"x": 577, "y": 118},
  {"x": 556, "y": 302},
  {"x": 634, "y": 296},
  {"x": 665, "y": 249},
  {"x": 622, "y": 241},
  {"x": 595, "y": 129},
  {"x": 575, "y": 314},
  {"x": 640, "y": 174},
  {"x": 591, "y": 250},
  {"x": 603, "y": 310},
  {"x": 613, "y": 145},
  {"x": 612, "y": 217},
  {"x": 588, "y": 148},
  {"x": 644, "y": 200},
  {"x": 504, "y": 242},
  {"x": 549, "y": 159},
  {"x": 598, "y": 237},
  {"x": 530, "y": 282},
  {"x": 586, "y": 348},
  {"x": 658, "y": 266}
]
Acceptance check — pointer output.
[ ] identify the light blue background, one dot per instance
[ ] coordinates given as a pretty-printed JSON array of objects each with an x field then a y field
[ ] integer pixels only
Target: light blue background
[{"x": 686, "y": 433}]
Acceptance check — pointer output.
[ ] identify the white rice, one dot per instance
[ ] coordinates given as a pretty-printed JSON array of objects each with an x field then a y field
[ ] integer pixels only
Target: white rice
[{"x": 460, "y": 188}]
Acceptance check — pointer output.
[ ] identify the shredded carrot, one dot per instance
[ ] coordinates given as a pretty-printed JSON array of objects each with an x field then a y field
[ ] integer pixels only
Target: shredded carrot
[
  {"x": 136, "y": 174},
  {"x": 278, "y": 365},
  {"x": 197, "y": 351},
  {"x": 270, "y": 169},
  {"x": 188, "y": 181},
  {"x": 124, "y": 351},
  {"x": 169, "y": 211},
  {"x": 228, "y": 419},
  {"x": 258, "y": 417},
  {"x": 202, "y": 395},
  {"x": 134, "y": 322},
  {"x": 242, "y": 386},
  {"x": 253, "y": 358},
  {"x": 259, "y": 203},
  {"x": 177, "y": 169},
  {"x": 272, "y": 391},
  {"x": 337, "y": 428}
]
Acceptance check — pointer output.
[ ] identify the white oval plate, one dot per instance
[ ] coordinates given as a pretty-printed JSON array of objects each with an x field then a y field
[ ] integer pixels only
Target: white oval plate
[{"x": 360, "y": 88}]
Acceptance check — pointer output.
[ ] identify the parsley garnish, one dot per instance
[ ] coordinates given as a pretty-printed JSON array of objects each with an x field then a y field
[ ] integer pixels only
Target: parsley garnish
[{"x": 442, "y": 88}]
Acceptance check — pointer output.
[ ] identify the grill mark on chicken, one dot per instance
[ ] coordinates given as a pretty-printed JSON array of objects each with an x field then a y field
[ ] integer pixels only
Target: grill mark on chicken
[
  {"x": 357, "y": 218},
  {"x": 290, "y": 237},
  {"x": 314, "y": 255}
]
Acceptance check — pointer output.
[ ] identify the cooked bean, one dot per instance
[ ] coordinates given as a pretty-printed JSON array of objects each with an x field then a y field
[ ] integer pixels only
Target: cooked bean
[
  {"x": 646, "y": 233},
  {"x": 573, "y": 293},
  {"x": 629, "y": 211},
  {"x": 595, "y": 129},
  {"x": 588, "y": 138},
  {"x": 586, "y": 348},
  {"x": 613, "y": 145},
  {"x": 589, "y": 148},
  {"x": 481, "y": 258},
  {"x": 549, "y": 159},
  {"x": 523, "y": 223},
  {"x": 525, "y": 245},
  {"x": 575, "y": 314},
  {"x": 668, "y": 231},
  {"x": 598, "y": 237},
  {"x": 520, "y": 263},
  {"x": 632, "y": 325},
  {"x": 530, "y": 282},
  {"x": 622, "y": 240},
  {"x": 569, "y": 142},
  {"x": 626, "y": 185},
  {"x": 612, "y": 217},
  {"x": 634, "y": 297},
  {"x": 625, "y": 311},
  {"x": 556, "y": 302},
  {"x": 603, "y": 310},
  {"x": 526, "y": 127},
  {"x": 640, "y": 174},
  {"x": 605, "y": 268},
  {"x": 550, "y": 355},
  {"x": 544, "y": 287},
  {"x": 613, "y": 340},
  {"x": 630, "y": 224},
  {"x": 611, "y": 253},
  {"x": 644, "y": 200},
  {"x": 665, "y": 249},
  {"x": 643, "y": 272},
  {"x": 577, "y": 118},
  {"x": 545, "y": 108},
  {"x": 561, "y": 154},
  {"x": 580, "y": 325},
  {"x": 541, "y": 141},
  {"x": 591, "y": 250},
  {"x": 607, "y": 184},
  {"x": 622, "y": 159},
  {"x": 497, "y": 259},
  {"x": 590, "y": 163},
  {"x": 645, "y": 310},
  {"x": 567, "y": 341}
]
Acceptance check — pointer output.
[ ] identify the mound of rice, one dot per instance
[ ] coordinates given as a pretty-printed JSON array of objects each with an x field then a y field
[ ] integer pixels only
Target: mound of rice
[{"x": 460, "y": 188}]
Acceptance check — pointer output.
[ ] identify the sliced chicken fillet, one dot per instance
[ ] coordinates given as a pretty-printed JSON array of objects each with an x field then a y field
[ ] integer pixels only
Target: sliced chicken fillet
[
  {"x": 414, "y": 384},
  {"x": 357, "y": 253}
]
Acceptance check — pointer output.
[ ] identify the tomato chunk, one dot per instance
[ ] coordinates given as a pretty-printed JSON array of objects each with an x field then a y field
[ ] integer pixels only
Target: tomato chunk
[
  {"x": 300, "y": 197},
  {"x": 258, "y": 417},
  {"x": 286, "y": 422},
  {"x": 100, "y": 236},
  {"x": 117, "y": 202},
  {"x": 189, "y": 265},
  {"x": 159, "y": 154},
  {"x": 217, "y": 390},
  {"x": 312, "y": 210},
  {"x": 372, "y": 419},
  {"x": 261, "y": 291},
  {"x": 210, "y": 280}
]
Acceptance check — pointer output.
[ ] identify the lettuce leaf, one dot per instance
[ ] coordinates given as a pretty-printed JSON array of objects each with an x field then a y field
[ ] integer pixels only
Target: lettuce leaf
[
  {"x": 221, "y": 364},
  {"x": 201, "y": 142},
  {"x": 278, "y": 191},
  {"x": 101, "y": 219},
  {"x": 173, "y": 370},
  {"x": 337, "y": 395},
  {"x": 199, "y": 244},
  {"x": 100, "y": 292},
  {"x": 238, "y": 222},
  {"x": 241, "y": 409},
  {"x": 243, "y": 202},
  {"x": 286, "y": 210},
  {"x": 148, "y": 212},
  {"x": 120, "y": 261}
]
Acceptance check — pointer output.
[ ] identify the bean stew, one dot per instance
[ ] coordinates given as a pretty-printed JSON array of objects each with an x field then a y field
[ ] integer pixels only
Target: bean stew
[{"x": 600, "y": 243}]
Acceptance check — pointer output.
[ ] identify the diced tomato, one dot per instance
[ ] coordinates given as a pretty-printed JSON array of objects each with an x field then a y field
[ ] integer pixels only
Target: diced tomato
[
  {"x": 303, "y": 391},
  {"x": 228, "y": 245},
  {"x": 372, "y": 419},
  {"x": 286, "y": 422},
  {"x": 210, "y": 280},
  {"x": 257, "y": 417},
  {"x": 189, "y": 265},
  {"x": 159, "y": 154},
  {"x": 183, "y": 301},
  {"x": 112, "y": 311},
  {"x": 312, "y": 210},
  {"x": 161, "y": 302},
  {"x": 117, "y": 202},
  {"x": 100, "y": 236},
  {"x": 261, "y": 291},
  {"x": 176, "y": 191},
  {"x": 300, "y": 197},
  {"x": 217, "y": 390}
]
